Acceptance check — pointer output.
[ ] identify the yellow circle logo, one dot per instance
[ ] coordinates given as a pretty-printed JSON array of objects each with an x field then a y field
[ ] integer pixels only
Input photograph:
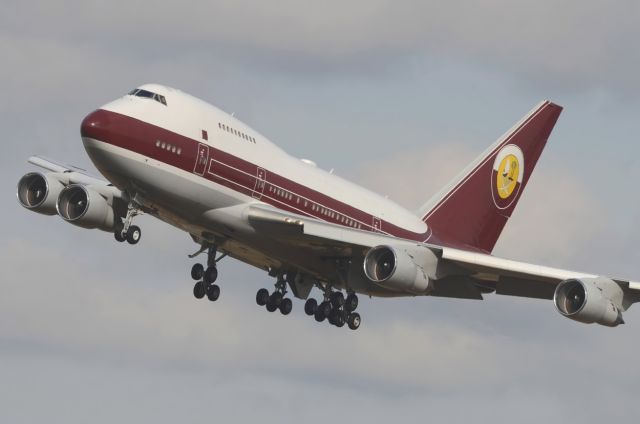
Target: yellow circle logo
[{"x": 507, "y": 177}]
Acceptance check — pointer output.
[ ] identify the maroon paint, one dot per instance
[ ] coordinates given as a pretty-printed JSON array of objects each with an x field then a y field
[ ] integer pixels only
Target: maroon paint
[
  {"x": 468, "y": 216},
  {"x": 228, "y": 170}
]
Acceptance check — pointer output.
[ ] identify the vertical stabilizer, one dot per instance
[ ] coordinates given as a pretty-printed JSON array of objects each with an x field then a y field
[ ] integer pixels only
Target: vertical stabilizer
[{"x": 471, "y": 211}]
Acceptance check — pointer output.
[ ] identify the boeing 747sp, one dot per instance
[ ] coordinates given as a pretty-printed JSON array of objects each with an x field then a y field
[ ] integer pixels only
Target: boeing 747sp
[{"x": 191, "y": 165}]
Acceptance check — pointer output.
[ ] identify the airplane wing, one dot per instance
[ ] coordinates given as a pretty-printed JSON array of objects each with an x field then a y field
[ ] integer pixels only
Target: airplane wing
[
  {"x": 73, "y": 174},
  {"x": 468, "y": 275}
]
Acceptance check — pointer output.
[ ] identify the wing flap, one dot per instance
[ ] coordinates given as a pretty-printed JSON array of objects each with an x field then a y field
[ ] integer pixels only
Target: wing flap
[{"x": 310, "y": 231}]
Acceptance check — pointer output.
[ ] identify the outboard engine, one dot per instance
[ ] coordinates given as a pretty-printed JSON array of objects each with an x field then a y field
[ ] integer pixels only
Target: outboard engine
[
  {"x": 39, "y": 192},
  {"x": 590, "y": 300}
]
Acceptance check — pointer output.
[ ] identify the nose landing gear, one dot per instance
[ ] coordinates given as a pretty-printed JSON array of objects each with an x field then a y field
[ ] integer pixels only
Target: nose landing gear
[{"x": 129, "y": 233}]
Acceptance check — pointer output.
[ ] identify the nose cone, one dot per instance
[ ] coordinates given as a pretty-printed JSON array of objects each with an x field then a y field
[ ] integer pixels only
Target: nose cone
[{"x": 95, "y": 125}]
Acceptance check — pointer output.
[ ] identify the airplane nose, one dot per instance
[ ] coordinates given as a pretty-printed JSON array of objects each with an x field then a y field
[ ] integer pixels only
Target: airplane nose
[{"x": 95, "y": 125}]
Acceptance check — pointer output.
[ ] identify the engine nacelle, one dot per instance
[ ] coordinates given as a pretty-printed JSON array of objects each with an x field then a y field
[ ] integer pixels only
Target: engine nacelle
[
  {"x": 84, "y": 207},
  {"x": 590, "y": 300},
  {"x": 39, "y": 192},
  {"x": 401, "y": 269}
]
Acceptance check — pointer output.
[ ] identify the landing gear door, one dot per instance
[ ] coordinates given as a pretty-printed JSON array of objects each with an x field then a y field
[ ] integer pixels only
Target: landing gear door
[
  {"x": 261, "y": 177},
  {"x": 202, "y": 158}
]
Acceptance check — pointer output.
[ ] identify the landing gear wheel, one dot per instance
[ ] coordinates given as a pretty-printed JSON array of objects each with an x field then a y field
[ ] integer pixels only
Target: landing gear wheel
[
  {"x": 319, "y": 315},
  {"x": 199, "y": 290},
  {"x": 339, "y": 320},
  {"x": 286, "y": 306},
  {"x": 354, "y": 321},
  {"x": 333, "y": 317},
  {"x": 351, "y": 303},
  {"x": 211, "y": 275},
  {"x": 310, "y": 306},
  {"x": 276, "y": 299},
  {"x": 213, "y": 292},
  {"x": 262, "y": 297},
  {"x": 271, "y": 307},
  {"x": 133, "y": 234},
  {"x": 118, "y": 236},
  {"x": 337, "y": 299},
  {"x": 324, "y": 309},
  {"x": 197, "y": 271}
]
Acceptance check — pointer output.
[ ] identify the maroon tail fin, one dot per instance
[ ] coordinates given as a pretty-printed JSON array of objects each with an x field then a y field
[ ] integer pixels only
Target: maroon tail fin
[{"x": 472, "y": 210}]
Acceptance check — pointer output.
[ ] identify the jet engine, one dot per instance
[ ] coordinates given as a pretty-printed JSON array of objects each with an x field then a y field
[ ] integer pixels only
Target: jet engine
[
  {"x": 39, "y": 192},
  {"x": 590, "y": 300},
  {"x": 84, "y": 207},
  {"x": 401, "y": 269}
]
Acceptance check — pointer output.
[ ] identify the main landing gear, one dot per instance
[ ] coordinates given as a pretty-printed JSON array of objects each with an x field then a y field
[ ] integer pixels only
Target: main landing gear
[
  {"x": 206, "y": 277},
  {"x": 335, "y": 308},
  {"x": 276, "y": 300},
  {"x": 129, "y": 233}
]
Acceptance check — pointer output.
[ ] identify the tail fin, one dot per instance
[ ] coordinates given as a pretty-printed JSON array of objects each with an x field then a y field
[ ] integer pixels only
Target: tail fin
[{"x": 473, "y": 209}]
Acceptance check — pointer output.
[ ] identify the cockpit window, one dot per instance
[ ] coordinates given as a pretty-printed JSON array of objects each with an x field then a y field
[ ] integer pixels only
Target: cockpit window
[{"x": 138, "y": 92}]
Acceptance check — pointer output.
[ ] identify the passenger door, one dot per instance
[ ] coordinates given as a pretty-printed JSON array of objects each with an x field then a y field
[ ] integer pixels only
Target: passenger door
[
  {"x": 377, "y": 224},
  {"x": 261, "y": 177},
  {"x": 202, "y": 158}
]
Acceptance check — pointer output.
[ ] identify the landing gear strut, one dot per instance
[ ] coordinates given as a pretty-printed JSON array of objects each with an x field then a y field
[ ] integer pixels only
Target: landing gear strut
[
  {"x": 129, "y": 233},
  {"x": 206, "y": 277}
]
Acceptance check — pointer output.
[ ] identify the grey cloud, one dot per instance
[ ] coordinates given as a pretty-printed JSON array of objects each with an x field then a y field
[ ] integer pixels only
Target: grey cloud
[
  {"x": 567, "y": 45},
  {"x": 120, "y": 334}
]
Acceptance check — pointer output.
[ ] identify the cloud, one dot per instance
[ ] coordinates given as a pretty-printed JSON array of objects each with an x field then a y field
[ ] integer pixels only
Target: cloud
[
  {"x": 156, "y": 344},
  {"x": 572, "y": 44},
  {"x": 82, "y": 313}
]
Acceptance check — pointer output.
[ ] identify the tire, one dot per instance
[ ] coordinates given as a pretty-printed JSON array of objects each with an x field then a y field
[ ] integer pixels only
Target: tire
[
  {"x": 354, "y": 321},
  {"x": 211, "y": 275},
  {"x": 213, "y": 292},
  {"x": 339, "y": 320},
  {"x": 333, "y": 317},
  {"x": 319, "y": 316},
  {"x": 118, "y": 236},
  {"x": 325, "y": 309},
  {"x": 337, "y": 299},
  {"x": 262, "y": 297},
  {"x": 276, "y": 299},
  {"x": 134, "y": 233},
  {"x": 197, "y": 271},
  {"x": 351, "y": 304},
  {"x": 271, "y": 307},
  {"x": 286, "y": 306},
  {"x": 198, "y": 290},
  {"x": 310, "y": 306}
]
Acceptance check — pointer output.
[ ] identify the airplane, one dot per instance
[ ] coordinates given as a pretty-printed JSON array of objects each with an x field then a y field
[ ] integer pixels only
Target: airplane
[{"x": 179, "y": 159}]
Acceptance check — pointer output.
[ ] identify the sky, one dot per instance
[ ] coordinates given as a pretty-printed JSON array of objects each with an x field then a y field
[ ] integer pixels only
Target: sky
[{"x": 395, "y": 95}]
